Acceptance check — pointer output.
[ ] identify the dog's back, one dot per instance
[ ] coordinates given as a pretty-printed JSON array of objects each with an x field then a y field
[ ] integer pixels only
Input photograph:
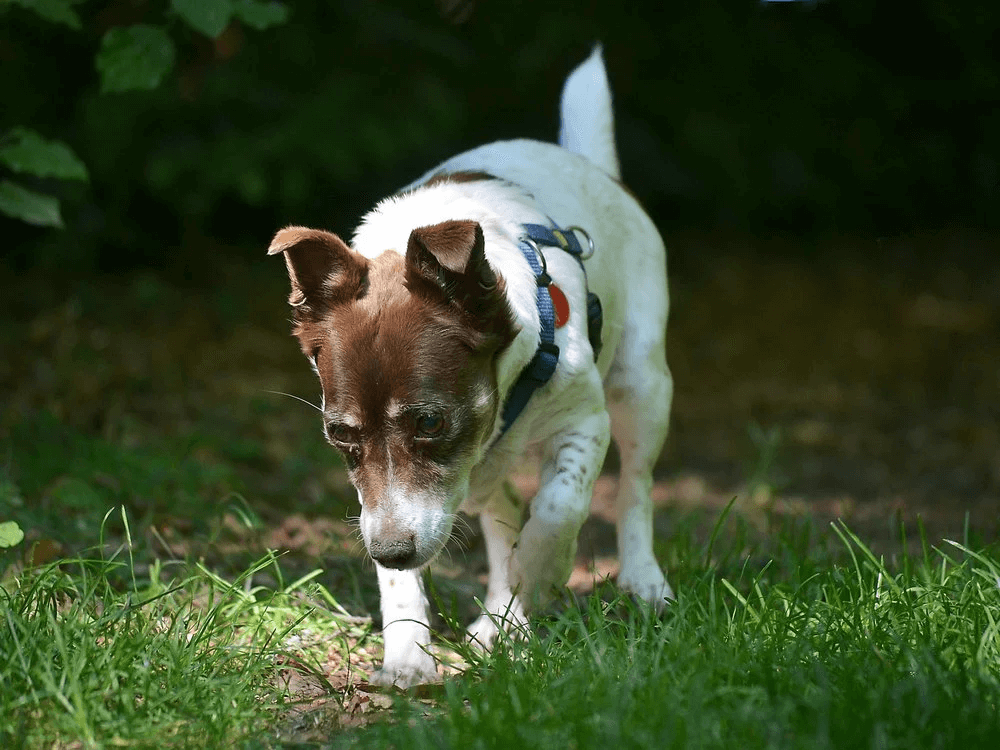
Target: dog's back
[{"x": 578, "y": 182}]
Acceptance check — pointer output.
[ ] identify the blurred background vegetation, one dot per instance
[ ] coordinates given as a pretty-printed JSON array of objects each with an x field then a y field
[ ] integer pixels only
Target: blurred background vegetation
[{"x": 836, "y": 115}]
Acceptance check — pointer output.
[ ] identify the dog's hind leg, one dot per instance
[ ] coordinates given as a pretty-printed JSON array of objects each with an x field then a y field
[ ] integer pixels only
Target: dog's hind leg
[
  {"x": 546, "y": 549},
  {"x": 501, "y": 522},
  {"x": 639, "y": 390}
]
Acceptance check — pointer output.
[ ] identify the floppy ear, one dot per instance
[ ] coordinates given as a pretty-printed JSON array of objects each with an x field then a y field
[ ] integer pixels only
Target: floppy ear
[
  {"x": 321, "y": 267},
  {"x": 447, "y": 261}
]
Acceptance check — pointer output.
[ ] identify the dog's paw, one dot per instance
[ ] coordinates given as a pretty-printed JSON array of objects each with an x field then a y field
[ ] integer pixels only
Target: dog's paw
[
  {"x": 541, "y": 565},
  {"x": 483, "y": 631},
  {"x": 647, "y": 583},
  {"x": 406, "y": 676}
]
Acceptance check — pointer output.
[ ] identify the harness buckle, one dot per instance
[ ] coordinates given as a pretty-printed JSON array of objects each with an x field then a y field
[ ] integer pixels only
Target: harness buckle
[
  {"x": 561, "y": 239},
  {"x": 544, "y": 363},
  {"x": 543, "y": 278}
]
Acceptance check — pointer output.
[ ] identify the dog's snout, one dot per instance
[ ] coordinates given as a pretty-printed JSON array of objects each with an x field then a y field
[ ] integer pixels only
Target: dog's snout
[{"x": 394, "y": 553}]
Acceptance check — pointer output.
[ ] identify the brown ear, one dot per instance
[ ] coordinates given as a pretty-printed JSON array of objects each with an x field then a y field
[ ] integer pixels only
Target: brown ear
[
  {"x": 321, "y": 267},
  {"x": 451, "y": 255},
  {"x": 448, "y": 261}
]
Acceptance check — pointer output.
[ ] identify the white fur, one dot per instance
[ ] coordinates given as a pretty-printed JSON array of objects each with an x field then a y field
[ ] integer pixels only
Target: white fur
[
  {"x": 626, "y": 394},
  {"x": 587, "y": 124},
  {"x": 404, "y": 628}
]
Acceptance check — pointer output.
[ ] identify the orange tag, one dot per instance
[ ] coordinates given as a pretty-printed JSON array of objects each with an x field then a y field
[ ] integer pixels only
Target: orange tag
[{"x": 560, "y": 304}]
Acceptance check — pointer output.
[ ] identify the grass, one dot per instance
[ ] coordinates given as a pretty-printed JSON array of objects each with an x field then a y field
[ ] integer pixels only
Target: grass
[
  {"x": 92, "y": 656},
  {"x": 845, "y": 657},
  {"x": 840, "y": 656}
]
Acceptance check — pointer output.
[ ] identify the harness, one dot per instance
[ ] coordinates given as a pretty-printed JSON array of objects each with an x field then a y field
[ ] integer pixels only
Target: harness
[{"x": 542, "y": 366}]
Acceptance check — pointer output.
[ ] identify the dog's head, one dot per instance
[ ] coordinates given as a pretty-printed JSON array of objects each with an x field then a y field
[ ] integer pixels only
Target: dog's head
[{"x": 405, "y": 348}]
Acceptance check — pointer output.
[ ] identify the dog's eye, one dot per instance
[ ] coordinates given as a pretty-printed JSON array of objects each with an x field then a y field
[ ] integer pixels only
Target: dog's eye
[
  {"x": 429, "y": 425},
  {"x": 345, "y": 439},
  {"x": 341, "y": 434}
]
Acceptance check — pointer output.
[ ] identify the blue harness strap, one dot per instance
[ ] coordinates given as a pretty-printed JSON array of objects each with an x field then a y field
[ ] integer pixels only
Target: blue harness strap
[
  {"x": 542, "y": 366},
  {"x": 555, "y": 237},
  {"x": 567, "y": 240}
]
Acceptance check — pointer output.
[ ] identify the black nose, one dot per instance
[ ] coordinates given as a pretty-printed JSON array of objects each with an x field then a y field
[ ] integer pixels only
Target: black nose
[{"x": 395, "y": 553}]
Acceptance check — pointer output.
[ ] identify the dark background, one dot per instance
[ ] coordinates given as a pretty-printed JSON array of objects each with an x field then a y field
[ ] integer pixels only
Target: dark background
[
  {"x": 825, "y": 175},
  {"x": 802, "y": 118}
]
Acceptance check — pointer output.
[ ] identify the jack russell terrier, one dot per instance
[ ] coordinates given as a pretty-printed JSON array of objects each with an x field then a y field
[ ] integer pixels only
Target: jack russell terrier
[{"x": 514, "y": 296}]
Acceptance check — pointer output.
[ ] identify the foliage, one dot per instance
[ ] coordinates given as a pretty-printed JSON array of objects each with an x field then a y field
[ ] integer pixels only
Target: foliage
[
  {"x": 55, "y": 11},
  {"x": 26, "y": 152},
  {"x": 130, "y": 58},
  {"x": 134, "y": 57},
  {"x": 806, "y": 117},
  {"x": 10, "y": 534}
]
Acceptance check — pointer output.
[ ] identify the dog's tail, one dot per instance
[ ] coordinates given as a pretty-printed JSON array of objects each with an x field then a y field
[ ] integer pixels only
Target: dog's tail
[{"x": 588, "y": 123}]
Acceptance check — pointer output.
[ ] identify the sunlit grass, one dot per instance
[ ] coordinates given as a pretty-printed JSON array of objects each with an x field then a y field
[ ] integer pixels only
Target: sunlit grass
[
  {"x": 844, "y": 655},
  {"x": 92, "y": 656}
]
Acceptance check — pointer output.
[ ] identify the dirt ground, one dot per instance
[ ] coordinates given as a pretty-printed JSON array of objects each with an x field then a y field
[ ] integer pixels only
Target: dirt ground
[{"x": 855, "y": 379}]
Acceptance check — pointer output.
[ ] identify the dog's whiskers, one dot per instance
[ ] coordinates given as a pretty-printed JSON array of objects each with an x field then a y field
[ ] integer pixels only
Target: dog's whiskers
[
  {"x": 297, "y": 398},
  {"x": 461, "y": 531}
]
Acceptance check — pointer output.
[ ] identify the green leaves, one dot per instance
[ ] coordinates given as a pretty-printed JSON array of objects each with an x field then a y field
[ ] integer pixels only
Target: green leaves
[
  {"x": 138, "y": 57},
  {"x": 26, "y": 152},
  {"x": 27, "y": 205},
  {"x": 56, "y": 11},
  {"x": 10, "y": 534},
  {"x": 210, "y": 17},
  {"x": 130, "y": 58},
  {"x": 260, "y": 14},
  {"x": 134, "y": 57}
]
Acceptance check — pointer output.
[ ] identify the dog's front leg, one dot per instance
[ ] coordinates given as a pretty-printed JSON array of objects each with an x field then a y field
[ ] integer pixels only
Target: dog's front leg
[
  {"x": 501, "y": 522},
  {"x": 546, "y": 549},
  {"x": 405, "y": 628}
]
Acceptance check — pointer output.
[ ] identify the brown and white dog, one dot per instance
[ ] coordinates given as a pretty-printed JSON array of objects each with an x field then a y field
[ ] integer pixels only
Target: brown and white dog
[{"x": 419, "y": 331}]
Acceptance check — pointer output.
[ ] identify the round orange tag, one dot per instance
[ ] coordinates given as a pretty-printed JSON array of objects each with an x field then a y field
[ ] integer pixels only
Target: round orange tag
[{"x": 560, "y": 304}]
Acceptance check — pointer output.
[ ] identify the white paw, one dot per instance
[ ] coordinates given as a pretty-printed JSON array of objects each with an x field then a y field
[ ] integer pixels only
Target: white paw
[
  {"x": 418, "y": 668},
  {"x": 406, "y": 676},
  {"x": 541, "y": 565},
  {"x": 483, "y": 631},
  {"x": 646, "y": 582}
]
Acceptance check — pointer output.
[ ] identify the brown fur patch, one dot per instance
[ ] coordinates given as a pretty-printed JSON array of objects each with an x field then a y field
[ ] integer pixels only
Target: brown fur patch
[
  {"x": 469, "y": 175},
  {"x": 447, "y": 262},
  {"x": 322, "y": 269},
  {"x": 419, "y": 336}
]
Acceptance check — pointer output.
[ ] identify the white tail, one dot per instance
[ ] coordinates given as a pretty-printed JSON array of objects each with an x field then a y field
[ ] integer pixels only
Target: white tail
[{"x": 588, "y": 122}]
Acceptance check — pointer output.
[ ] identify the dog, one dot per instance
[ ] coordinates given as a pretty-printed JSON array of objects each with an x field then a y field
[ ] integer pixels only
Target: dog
[{"x": 512, "y": 298}]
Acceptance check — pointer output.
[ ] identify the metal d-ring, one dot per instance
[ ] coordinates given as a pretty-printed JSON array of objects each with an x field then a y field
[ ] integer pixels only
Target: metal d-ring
[
  {"x": 590, "y": 241},
  {"x": 541, "y": 258}
]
